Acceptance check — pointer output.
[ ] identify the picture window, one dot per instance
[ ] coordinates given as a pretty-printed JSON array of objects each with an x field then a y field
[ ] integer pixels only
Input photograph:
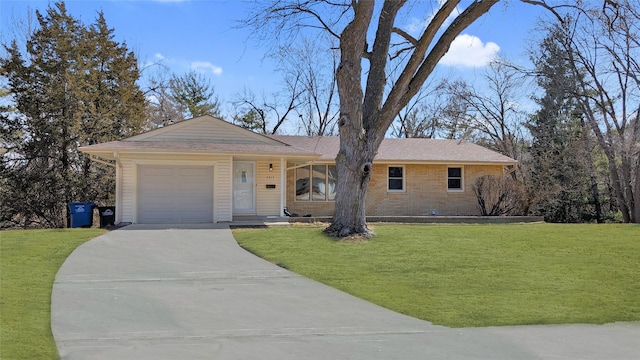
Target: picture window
[{"x": 316, "y": 183}]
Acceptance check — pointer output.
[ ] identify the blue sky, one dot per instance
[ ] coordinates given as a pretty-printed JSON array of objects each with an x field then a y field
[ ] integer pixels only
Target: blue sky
[{"x": 202, "y": 35}]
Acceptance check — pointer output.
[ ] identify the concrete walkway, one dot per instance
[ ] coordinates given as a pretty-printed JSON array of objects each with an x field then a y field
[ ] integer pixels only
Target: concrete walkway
[{"x": 147, "y": 292}]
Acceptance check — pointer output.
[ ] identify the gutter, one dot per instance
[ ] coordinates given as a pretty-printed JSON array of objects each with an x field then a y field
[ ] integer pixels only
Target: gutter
[{"x": 96, "y": 159}]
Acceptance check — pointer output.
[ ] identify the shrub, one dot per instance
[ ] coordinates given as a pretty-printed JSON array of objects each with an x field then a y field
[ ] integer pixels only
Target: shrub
[{"x": 500, "y": 196}]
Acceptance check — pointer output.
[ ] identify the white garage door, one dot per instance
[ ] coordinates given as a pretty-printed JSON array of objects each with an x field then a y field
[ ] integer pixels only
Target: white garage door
[{"x": 175, "y": 194}]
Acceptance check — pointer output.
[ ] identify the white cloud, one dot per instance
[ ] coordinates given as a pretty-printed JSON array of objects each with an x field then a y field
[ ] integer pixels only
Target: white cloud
[
  {"x": 205, "y": 66},
  {"x": 470, "y": 51},
  {"x": 159, "y": 56}
]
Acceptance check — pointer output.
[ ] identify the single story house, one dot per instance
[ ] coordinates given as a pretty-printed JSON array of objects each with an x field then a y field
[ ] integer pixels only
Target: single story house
[{"x": 207, "y": 170}]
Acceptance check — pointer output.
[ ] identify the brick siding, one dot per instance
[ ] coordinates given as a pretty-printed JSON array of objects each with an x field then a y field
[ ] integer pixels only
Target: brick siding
[{"x": 425, "y": 193}]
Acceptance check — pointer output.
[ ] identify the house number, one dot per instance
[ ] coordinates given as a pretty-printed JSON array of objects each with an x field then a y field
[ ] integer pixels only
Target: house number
[{"x": 270, "y": 177}]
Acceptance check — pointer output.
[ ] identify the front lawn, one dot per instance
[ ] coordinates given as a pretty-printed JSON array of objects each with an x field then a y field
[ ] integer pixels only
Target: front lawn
[
  {"x": 473, "y": 275},
  {"x": 29, "y": 261}
]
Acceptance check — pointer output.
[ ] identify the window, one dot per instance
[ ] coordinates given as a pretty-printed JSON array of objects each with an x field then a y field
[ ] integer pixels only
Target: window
[
  {"x": 302, "y": 183},
  {"x": 319, "y": 181},
  {"x": 395, "y": 178},
  {"x": 454, "y": 179},
  {"x": 316, "y": 183}
]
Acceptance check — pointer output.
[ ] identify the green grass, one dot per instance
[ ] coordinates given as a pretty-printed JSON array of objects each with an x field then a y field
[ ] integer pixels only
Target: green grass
[
  {"x": 473, "y": 275},
  {"x": 29, "y": 261}
]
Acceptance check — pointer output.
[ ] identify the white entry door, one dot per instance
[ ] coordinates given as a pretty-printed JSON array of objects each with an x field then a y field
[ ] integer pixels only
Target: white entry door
[{"x": 244, "y": 189}]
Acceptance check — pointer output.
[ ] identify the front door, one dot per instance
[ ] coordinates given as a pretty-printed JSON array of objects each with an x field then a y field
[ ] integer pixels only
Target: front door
[{"x": 244, "y": 199}]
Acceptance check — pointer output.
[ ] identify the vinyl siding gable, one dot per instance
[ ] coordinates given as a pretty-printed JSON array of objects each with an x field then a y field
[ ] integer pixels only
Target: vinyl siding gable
[{"x": 204, "y": 129}]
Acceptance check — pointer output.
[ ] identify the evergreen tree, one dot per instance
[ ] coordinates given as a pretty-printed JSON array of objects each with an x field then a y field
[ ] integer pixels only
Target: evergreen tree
[
  {"x": 561, "y": 156},
  {"x": 194, "y": 95},
  {"x": 72, "y": 86},
  {"x": 251, "y": 119},
  {"x": 180, "y": 97},
  {"x": 112, "y": 106}
]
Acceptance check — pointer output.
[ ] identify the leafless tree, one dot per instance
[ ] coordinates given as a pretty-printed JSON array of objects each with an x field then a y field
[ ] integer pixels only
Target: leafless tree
[
  {"x": 314, "y": 64},
  {"x": 499, "y": 196},
  {"x": 493, "y": 109},
  {"x": 161, "y": 109},
  {"x": 266, "y": 114},
  {"x": 367, "y": 112},
  {"x": 422, "y": 117},
  {"x": 604, "y": 49}
]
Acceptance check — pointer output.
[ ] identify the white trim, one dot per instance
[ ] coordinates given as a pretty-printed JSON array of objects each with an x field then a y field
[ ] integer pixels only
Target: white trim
[
  {"x": 404, "y": 179},
  {"x": 254, "y": 187},
  {"x": 301, "y": 165},
  {"x": 461, "y": 190}
]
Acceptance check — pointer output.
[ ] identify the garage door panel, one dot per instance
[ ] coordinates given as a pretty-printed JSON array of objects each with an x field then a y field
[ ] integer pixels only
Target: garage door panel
[
  {"x": 175, "y": 194},
  {"x": 191, "y": 201},
  {"x": 202, "y": 172},
  {"x": 156, "y": 186},
  {"x": 158, "y": 217},
  {"x": 190, "y": 217}
]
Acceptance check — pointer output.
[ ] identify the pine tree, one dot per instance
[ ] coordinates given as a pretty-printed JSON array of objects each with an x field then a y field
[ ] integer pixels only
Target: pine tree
[
  {"x": 194, "y": 95},
  {"x": 112, "y": 104},
  {"x": 179, "y": 98},
  {"x": 72, "y": 86},
  {"x": 561, "y": 157}
]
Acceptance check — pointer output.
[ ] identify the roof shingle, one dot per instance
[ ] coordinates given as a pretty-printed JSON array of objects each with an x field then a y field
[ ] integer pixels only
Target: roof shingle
[
  {"x": 405, "y": 150},
  {"x": 320, "y": 148}
]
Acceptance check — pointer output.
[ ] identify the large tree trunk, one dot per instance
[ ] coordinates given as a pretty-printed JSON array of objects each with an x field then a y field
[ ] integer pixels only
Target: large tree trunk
[
  {"x": 353, "y": 162},
  {"x": 354, "y": 168},
  {"x": 616, "y": 181},
  {"x": 366, "y": 117}
]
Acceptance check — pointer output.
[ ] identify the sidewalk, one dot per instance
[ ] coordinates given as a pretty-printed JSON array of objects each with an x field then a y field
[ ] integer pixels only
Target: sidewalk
[{"x": 155, "y": 293}]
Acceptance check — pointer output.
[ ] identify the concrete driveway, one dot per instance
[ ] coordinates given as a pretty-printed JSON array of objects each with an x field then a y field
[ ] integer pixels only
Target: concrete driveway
[{"x": 146, "y": 292}]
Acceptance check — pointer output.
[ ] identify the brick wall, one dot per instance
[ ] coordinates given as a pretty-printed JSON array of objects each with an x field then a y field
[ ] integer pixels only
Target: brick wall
[{"x": 425, "y": 193}]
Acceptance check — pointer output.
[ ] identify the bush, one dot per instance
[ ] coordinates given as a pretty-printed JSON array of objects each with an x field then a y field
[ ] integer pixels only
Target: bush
[{"x": 500, "y": 196}]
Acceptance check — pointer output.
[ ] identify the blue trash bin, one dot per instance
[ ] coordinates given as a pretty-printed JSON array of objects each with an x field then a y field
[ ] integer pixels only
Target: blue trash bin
[{"x": 81, "y": 214}]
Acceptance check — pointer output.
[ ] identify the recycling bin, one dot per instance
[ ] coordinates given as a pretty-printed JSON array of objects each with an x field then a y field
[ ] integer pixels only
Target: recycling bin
[
  {"x": 107, "y": 215},
  {"x": 81, "y": 214}
]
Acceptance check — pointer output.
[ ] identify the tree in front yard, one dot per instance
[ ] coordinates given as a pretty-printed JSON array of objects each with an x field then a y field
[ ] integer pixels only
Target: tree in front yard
[{"x": 370, "y": 98}]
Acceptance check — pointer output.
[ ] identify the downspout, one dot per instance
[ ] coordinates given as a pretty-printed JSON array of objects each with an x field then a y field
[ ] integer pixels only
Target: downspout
[
  {"x": 95, "y": 159},
  {"x": 283, "y": 186},
  {"x": 118, "y": 218}
]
